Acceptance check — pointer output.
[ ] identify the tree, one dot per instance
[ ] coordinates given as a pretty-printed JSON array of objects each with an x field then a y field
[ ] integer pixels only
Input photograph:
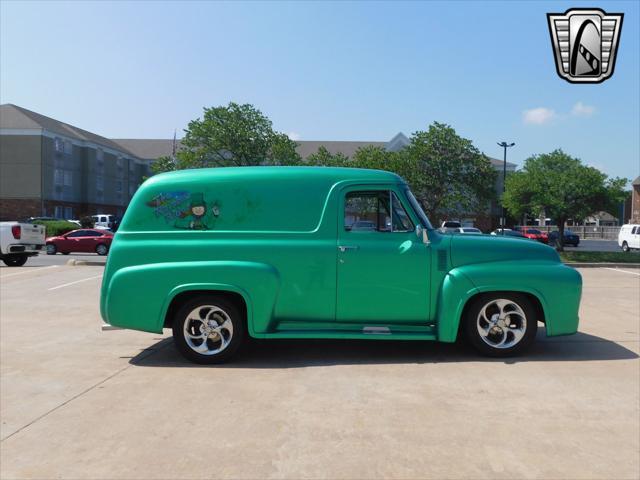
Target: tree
[
  {"x": 447, "y": 173},
  {"x": 559, "y": 186},
  {"x": 232, "y": 135},
  {"x": 324, "y": 158}
]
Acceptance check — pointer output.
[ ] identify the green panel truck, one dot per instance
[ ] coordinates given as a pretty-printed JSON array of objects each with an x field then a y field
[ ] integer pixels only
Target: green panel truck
[{"x": 220, "y": 254}]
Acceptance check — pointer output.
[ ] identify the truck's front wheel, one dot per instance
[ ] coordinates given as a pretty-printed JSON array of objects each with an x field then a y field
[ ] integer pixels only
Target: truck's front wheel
[
  {"x": 15, "y": 260},
  {"x": 501, "y": 324},
  {"x": 208, "y": 329}
]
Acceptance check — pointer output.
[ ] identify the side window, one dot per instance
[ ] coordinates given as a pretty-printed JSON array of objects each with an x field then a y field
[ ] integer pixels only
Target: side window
[
  {"x": 634, "y": 230},
  {"x": 401, "y": 220},
  {"x": 78, "y": 233},
  {"x": 375, "y": 211}
]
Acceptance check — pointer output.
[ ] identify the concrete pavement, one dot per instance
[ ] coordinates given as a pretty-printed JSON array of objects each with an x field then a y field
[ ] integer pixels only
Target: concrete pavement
[{"x": 79, "y": 403}]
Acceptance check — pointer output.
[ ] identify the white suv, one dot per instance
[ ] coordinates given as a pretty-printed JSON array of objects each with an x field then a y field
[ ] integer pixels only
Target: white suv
[
  {"x": 629, "y": 237},
  {"x": 103, "y": 221}
]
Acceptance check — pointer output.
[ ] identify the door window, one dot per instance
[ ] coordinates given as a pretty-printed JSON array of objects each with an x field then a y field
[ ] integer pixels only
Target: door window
[
  {"x": 375, "y": 211},
  {"x": 77, "y": 233}
]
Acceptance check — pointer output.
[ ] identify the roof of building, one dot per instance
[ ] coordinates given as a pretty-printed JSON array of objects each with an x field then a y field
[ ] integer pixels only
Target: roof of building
[
  {"x": 154, "y": 148},
  {"x": 148, "y": 148},
  {"x": 18, "y": 118},
  {"x": 603, "y": 216},
  {"x": 636, "y": 181}
]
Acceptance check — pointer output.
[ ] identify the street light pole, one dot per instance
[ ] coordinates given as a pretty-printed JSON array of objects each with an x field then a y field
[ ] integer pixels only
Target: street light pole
[{"x": 504, "y": 145}]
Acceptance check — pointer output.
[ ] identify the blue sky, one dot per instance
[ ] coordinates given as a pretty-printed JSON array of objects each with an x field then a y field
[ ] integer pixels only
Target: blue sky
[{"x": 324, "y": 71}]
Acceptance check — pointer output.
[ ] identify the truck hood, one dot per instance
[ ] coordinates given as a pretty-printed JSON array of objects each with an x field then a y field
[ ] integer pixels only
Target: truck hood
[{"x": 466, "y": 250}]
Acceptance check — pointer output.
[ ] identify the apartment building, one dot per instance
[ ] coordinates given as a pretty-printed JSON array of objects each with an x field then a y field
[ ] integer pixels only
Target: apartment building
[{"x": 51, "y": 168}]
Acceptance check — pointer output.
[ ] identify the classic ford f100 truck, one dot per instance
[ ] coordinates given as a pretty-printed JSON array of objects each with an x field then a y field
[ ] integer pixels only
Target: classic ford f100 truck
[{"x": 319, "y": 252}]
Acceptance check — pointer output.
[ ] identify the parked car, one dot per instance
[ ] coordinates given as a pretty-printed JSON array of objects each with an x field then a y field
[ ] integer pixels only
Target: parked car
[
  {"x": 103, "y": 221},
  {"x": 533, "y": 234},
  {"x": 507, "y": 232},
  {"x": 470, "y": 230},
  {"x": 217, "y": 254},
  {"x": 19, "y": 241},
  {"x": 41, "y": 219},
  {"x": 629, "y": 237},
  {"x": 569, "y": 238},
  {"x": 451, "y": 224},
  {"x": 464, "y": 230},
  {"x": 86, "y": 240}
]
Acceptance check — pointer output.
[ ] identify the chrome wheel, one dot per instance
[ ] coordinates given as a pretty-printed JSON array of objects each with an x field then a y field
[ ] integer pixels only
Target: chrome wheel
[
  {"x": 208, "y": 330},
  {"x": 501, "y": 323},
  {"x": 101, "y": 249}
]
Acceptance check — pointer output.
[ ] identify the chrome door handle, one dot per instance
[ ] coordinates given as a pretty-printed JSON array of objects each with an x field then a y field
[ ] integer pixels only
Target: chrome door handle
[{"x": 344, "y": 248}]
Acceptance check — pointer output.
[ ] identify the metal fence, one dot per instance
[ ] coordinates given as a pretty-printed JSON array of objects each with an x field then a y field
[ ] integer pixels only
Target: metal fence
[{"x": 589, "y": 232}]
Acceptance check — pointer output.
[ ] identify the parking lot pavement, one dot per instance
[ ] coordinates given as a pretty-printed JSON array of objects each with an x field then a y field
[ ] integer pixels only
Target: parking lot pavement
[
  {"x": 44, "y": 260},
  {"x": 79, "y": 403},
  {"x": 596, "y": 246}
]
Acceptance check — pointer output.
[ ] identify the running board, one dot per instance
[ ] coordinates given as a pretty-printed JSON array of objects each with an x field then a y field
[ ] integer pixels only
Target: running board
[{"x": 376, "y": 330}]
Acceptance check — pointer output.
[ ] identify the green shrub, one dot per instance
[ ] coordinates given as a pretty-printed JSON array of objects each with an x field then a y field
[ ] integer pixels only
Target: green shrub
[
  {"x": 57, "y": 227},
  {"x": 86, "y": 222}
]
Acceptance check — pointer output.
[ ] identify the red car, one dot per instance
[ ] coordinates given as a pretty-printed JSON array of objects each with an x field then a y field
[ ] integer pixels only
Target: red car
[
  {"x": 84, "y": 240},
  {"x": 533, "y": 234}
]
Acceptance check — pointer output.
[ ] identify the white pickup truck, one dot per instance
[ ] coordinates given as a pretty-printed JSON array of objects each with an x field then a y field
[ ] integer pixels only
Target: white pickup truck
[{"x": 19, "y": 241}]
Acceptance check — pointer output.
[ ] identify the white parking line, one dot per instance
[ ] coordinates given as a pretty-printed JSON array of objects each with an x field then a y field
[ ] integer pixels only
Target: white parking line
[
  {"x": 622, "y": 271},
  {"x": 73, "y": 283},
  {"x": 28, "y": 270}
]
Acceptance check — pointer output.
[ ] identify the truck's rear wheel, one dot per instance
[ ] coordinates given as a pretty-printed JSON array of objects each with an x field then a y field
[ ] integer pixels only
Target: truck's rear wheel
[
  {"x": 15, "y": 260},
  {"x": 500, "y": 324},
  {"x": 208, "y": 329}
]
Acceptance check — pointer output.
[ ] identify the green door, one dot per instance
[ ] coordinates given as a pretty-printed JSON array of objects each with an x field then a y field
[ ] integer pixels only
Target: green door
[{"x": 383, "y": 267}]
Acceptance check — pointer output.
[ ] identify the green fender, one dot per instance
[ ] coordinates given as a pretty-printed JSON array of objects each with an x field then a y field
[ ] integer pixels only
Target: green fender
[
  {"x": 557, "y": 287},
  {"x": 159, "y": 283}
]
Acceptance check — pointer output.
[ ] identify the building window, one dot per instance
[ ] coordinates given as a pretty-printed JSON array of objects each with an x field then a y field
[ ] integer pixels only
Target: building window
[
  {"x": 58, "y": 176},
  {"x": 99, "y": 182},
  {"x": 68, "y": 212},
  {"x": 100, "y": 159},
  {"x": 58, "y": 145},
  {"x": 68, "y": 178},
  {"x": 119, "y": 162},
  {"x": 58, "y": 212},
  {"x": 68, "y": 147},
  {"x": 119, "y": 186}
]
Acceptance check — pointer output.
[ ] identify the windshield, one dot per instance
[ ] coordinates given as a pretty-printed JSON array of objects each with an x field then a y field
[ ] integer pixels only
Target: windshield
[{"x": 418, "y": 209}]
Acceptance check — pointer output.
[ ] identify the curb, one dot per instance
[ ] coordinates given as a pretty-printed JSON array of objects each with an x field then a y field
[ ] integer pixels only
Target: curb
[
  {"x": 78, "y": 263},
  {"x": 601, "y": 265}
]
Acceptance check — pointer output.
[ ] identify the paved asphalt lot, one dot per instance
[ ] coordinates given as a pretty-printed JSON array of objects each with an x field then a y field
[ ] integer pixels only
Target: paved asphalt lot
[{"x": 80, "y": 403}]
